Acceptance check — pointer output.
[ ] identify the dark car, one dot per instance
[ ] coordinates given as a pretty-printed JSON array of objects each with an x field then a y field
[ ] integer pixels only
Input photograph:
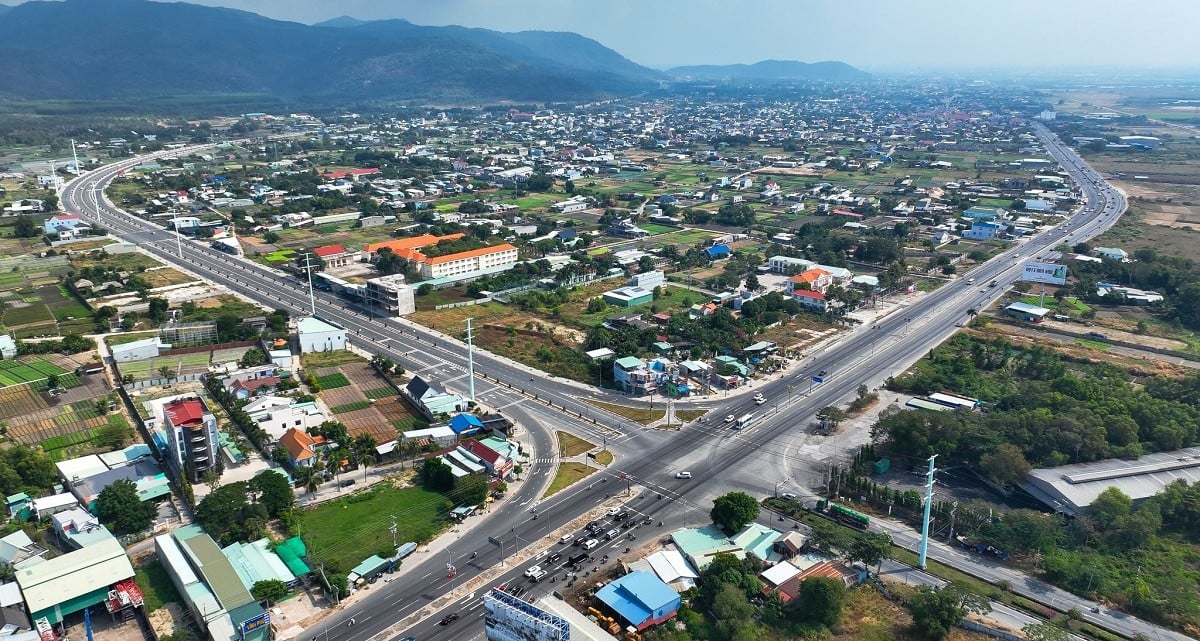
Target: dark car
[
  {"x": 621, "y": 516},
  {"x": 580, "y": 541},
  {"x": 449, "y": 618},
  {"x": 346, "y": 483},
  {"x": 553, "y": 557}
]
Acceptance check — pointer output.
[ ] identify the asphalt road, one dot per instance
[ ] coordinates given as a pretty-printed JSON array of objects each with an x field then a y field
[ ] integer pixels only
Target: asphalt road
[{"x": 776, "y": 451}]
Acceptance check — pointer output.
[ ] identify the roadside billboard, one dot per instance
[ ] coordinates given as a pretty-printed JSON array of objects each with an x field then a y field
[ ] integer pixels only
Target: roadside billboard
[{"x": 1047, "y": 273}]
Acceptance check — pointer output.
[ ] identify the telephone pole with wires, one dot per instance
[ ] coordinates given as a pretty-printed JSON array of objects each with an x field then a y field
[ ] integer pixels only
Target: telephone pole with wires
[
  {"x": 925, "y": 519},
  {"x": 308, "y": 265}
]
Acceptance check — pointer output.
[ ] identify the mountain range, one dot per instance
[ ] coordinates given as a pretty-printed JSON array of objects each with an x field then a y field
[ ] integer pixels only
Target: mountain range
[
  {"x": 139, "y": 49},
  {"x": 771, "y": 71}
]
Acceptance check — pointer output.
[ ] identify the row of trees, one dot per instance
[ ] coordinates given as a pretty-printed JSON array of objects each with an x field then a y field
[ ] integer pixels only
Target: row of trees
[
  {"x": 1042, "y": 410},
  {"x": 240, "y": 511}
]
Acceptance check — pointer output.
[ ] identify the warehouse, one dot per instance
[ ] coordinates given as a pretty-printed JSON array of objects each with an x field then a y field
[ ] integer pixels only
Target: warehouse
[
  {"x": 1072, "y": 488},
  {"x": 77, "y": 580}
]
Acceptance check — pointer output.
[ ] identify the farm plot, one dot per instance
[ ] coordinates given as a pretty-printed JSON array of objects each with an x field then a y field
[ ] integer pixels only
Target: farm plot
[
  {"x": 370, "y": 411},
  {"x": 152, "y": 368},
  {"x": 28, "y": 370}
]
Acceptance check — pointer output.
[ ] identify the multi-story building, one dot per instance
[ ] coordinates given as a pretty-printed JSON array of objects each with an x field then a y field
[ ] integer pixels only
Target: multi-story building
[
  {"x": 191, "y": 437},
  {"x": 490, "y": 259},
  {"x": 391, "y": 295}
]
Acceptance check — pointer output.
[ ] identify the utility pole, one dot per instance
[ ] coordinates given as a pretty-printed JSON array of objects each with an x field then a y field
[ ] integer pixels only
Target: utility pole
[
  {"x": 312, "y": 299},
  {"x": 394, "y": 531},
  {"x": 928, "y": 504},
  {"x": 953, "y": 509},
  {"x": 470, "y": 363}
]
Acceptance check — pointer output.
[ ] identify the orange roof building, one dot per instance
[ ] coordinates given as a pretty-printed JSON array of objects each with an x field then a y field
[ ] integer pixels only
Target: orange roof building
[
  {"x": 300, "y": 446},
  {"x": 818, "y": 280}
]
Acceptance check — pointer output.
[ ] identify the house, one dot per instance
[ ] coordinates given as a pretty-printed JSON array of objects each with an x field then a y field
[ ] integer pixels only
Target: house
[
  {"x": 8, "y": 347},
  {"x": 718, "y": 251},
  {"x": 275, "y": 415},
  {"x": 1112, "y": 253},
  {"x": 17, "y": 550},
  {"x": 627, "y": 229},
  {"x": 670, "y": 567},
  {"x": 496, "y": 463},
  {"x": 316, "y": 335},
  {"x": 333, "y": 256},
  {"x": 815, "y": 279},
  {"x": 814, "y": 301},
  {"x": 641, "y": 599},
  {"x": 631, "y": 374},
  {"x": 981, "y": 231},
  {"x": 391, "y": 294},
  {"x": 941, "y": 237},
  {"x": 984, "y": 213},
  {"x": 301, "y": 448},
  {"x": 465, "y": 424},
  {"x": 432, "y": 402},
  {"x": 788, "y": 264}
]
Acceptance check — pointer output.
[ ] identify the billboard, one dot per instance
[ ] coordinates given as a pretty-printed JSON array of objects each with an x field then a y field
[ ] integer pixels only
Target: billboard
[
  {"x": 255, "y": 622},
  {"x": 1047, "y": 273},
  {"x": 507, "y": 618}
]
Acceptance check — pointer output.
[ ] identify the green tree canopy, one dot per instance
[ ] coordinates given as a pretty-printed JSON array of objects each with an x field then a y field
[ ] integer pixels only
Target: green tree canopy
[
  {"x": 119, "y": 507},
  {"x": 935, "y": 612},
  {"x": 471, "y": 489},
  {"x": 269, "y": 590},
  {"x": 734, "y": 510},
  {"x": 274, "y": 493},
  {"x": 821, "y": 601}
]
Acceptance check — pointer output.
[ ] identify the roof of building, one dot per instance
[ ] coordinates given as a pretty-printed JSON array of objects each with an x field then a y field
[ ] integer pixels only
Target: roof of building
[
  {"x": 757, "y": 539},
  {"x": 670, "y": 566},
  {"x": 298, "y": 444},
  {"x": 314, "y": 325},
  {"x": 54, "y": 501},
  {"x": 464, "y": 422},
  {"x": 718, "y": 250},
  {"x": 810, "y": 276},
  {"x": 808, "y": 293},
  {"x": 329, "y": 250},
  {"x": 639, "y": 596},
  {"x": 630, "y": 362},
  {"x": 255, "y": 562},
  {"x": 482, "y": 451},
  {"x": 1028, "y": 309},
  {"x": 470, "y": 253},
  {"x": 778, "y": 574},
  {"x": 413, "y": 242},
  {"x": 439, "y": 432},
  {"x": 73, "y": 574},
  {"x": 185, "y": 412},
  {"x": 217, "y": 571},
  {"x": 506, "y": 448},
  {"x": 1072, "y": 488},
  {"x": 701, "y": 544},
  {"x": 75, "y": 469},
  {"x": 148, "y": 479},
  {"x": 292, "y": 553}
]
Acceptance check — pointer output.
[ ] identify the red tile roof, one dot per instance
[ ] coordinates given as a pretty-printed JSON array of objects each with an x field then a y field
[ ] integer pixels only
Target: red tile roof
[
  {"x": 185, "y": 412},
  {"x": 253, "y": 384},
  {"x": 482, "y": 251},
  {"x": 329, "y": 250},
  {"x": 415, "y": 242},
  {"x": 482, "y": 451},
  {"x": 807, "y": 293},
  {"x": 298, "y": 443}
]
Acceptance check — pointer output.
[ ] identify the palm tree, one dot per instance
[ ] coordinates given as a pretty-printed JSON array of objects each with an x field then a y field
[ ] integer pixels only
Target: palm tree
[
  {"x": 312, "y": 484},
  {"x": 334, "y": 465},
  {"x": 365, "y": 461}
]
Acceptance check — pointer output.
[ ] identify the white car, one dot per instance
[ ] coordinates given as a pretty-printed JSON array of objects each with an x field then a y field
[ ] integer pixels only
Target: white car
[
  {"x": 533, "y": 570},
  {"x": 730, "y": 418},
  {"x": 759, "y": 399},
  {"x": 683, "y": 475},
  {"x": 613, "y": 511},
  {"x": 566, "y": 538},
  {"x": 534, "y": 576}
]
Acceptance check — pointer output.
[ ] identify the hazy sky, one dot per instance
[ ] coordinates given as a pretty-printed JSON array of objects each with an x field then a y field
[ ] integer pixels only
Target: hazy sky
[{"x": 917, "y": 35}]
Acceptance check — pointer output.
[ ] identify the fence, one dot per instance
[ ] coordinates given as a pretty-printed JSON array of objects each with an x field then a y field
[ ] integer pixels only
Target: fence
[{"x": 186, "y": 378}]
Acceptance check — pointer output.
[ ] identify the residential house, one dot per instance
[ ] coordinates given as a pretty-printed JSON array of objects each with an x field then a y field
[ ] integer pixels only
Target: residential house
[
  {"x": 981, "y": 231},
  {"x": 814, "y": 301},
  {"x": 787, "y": 264},
  {"x": 275, "y": 415},
  {"x": 720, "y": 250},
  {"x": 1112, "y": 253},
  {"x": 815, "y": 279},
  {"x": 465, "y": 424},
  {"x": 333, "y": 256},
  {"x": 631, "y": 374},
  {"x": 496, "y": 463},
  {"x": 301, "y": 448},
  {"x": 432, "y": 402},
  {"x": 316, "y": 335}
]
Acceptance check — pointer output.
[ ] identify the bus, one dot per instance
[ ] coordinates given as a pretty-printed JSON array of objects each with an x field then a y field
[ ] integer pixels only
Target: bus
[{"x": 745, "y": 420}]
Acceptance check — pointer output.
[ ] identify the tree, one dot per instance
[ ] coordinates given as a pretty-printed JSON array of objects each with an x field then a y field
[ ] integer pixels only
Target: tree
[
  {"x": 24, "y": 227},
  {"x": 821, "y": 601},
  {"x": 436, "y": 475},
  {"x": 833, "y": 415},
  {"x": 1005, "y": 465},
  {"x": 936, "y": 611},
  {"x": 732, "y": 611},
  {"x": 752, "y": 282},
  {"x": 113, "y": 434},
  {"x": 734, "y": 510},
  {"x": 274, "y": 492},
  {"x": 253, "y": 358},
  {"x": 270, "y": 238},
  {"x": 425, "y": 289},
  {"x": 471, "y": 489},
  {"x": 269, "y": 590},
  {"x": 1110, "y": 506},
  {"x": 870, "y": 549},
  {"x": 119, "y": 507}
]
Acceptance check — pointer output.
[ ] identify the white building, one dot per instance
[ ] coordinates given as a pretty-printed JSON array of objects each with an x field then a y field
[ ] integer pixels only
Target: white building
[
  {"x": 277, "y": 414},
  {"x": 316, "y": 335},
  {"x": 1111, "y": 253},
  {"x": 783, "y": 264},
  {"x": 648, "y": 280},
  {"x": 391, "y": 294},
  {"x": 495, "y": 258}
]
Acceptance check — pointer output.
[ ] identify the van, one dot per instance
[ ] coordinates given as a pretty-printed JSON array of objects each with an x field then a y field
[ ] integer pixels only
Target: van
[
  {"x": 683, "y": 475},
  {"x": 612, "y": 534},
  {"x": 970, "y": 281},
  {"x": 590, "y": 544},
  {"x": 566, "y": 538}
]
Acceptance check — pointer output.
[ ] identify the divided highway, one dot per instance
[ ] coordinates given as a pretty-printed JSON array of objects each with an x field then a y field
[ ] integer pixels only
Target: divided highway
[{"x": 776, "y": 450}]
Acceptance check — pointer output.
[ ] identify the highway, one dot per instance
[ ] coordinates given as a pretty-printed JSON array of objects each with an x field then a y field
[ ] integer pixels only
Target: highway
[{"x": 775, "y": 450}]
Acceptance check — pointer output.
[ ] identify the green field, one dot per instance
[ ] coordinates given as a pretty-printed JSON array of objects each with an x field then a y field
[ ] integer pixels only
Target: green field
[
  {"x": 333, "y": 381},
  {"x": 280, "y": 256},
  {"x": 350, "y": 407},
  {"x": 28, "y": 371},
  {"x": 382, "y": 392},
  {"x": 344, "y": 532}
]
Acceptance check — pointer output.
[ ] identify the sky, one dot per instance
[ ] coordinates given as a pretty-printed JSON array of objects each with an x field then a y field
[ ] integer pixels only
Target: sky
[{"x": 885, "y": 35}]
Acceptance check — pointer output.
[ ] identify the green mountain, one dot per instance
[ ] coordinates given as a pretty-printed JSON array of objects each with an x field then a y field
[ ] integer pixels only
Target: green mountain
[
  {"x": 771, "y": 71},
  {"x": 129, "y": 49}
]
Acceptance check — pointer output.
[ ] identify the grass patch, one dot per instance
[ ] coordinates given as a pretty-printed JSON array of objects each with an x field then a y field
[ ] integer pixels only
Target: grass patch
[
  {"x": 641, "y": 415},
  {"x": 567, "y": 475},
  {"x": 333, "y": 381},
  {"x": 350, "y": 407},
  {"x": 1091, "y": 344},
  {"x": 604, "y": 457},
  {"x": 330, "y": 359},
  {"x": 570, "y": 445},
  {"x": 689, "y": 415},
  {"x": 344, "y": 532},
  {"x": 410, "y": 423},
  {"x": 156, "y": 586},
  {"x": 383, "y": 392}
]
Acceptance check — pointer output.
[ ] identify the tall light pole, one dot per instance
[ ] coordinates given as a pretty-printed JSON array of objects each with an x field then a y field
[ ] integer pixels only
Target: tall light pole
[
  {"x": 470, "y": 363},
  {"x": 312, "y": 299},
  {"x": 925, "y": 518}
]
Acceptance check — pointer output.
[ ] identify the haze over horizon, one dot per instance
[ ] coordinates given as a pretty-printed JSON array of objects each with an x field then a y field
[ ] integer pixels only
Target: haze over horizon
[{"x": 915, "y": 35}]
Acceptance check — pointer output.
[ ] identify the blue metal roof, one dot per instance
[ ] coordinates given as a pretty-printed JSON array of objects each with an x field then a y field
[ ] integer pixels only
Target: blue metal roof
[{"x": 639, "y": 597}]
